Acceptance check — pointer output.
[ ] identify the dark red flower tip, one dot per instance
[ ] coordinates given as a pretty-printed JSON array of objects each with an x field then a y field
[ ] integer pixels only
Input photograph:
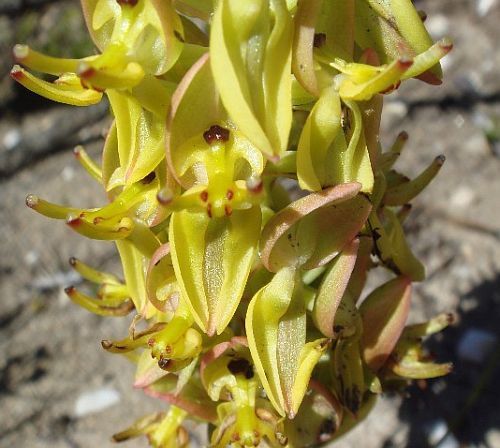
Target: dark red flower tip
[
  {"x": 163, "y": 363},
  {"x": 216, "y": 133}
]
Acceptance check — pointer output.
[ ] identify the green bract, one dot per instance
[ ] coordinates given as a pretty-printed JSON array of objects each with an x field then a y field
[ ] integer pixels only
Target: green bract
[{"x": 249, "y": 197}]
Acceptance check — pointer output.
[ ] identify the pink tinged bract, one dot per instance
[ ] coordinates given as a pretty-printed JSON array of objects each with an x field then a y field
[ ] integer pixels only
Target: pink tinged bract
[{"x": 384, "y": 314}]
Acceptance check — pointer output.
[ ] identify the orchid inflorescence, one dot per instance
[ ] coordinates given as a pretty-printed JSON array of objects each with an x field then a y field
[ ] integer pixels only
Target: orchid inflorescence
[{"x": 249, "y": 197}]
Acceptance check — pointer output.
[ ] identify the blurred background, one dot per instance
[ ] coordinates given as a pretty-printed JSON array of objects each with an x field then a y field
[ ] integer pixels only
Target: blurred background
[{"x": 58, "y": 388}]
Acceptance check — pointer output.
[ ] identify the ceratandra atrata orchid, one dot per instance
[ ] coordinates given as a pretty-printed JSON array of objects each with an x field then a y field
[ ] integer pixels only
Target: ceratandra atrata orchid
[{"x": 248, "y": 287}]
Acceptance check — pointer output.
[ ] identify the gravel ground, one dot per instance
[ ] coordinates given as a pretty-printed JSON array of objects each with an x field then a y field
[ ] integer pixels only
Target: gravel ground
[{"x": 51, "y": 363}]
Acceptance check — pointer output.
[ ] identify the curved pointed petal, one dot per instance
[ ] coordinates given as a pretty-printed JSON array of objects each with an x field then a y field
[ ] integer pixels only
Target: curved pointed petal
[
  {"x": 140, "y": 138},
  {"x": 212, "y": 259},
  {"x": 194, "y": 108},
  {"x": 161, "y": 285},
  {"x": 318, "y": 133},
  {"x": 303, "y": 39},
  {"x": 310, "y": 354},
  {"x": 251, "y": 60},
  {"x": 333, "y": 287},
  {"x": 261, "y": 323},
  {"x": 384, "y": 314},
  {"x": 133, "y": 270},
  {"x": 54, "y": 92}
]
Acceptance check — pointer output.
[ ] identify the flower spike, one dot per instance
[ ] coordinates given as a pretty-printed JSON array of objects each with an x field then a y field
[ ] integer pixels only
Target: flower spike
[{"x": 248, "y": 195}]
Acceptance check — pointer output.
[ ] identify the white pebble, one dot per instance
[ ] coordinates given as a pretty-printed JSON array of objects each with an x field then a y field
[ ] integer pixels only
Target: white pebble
[
  {"x": 31, "y": 257},
  {"x": 437, "y": 25},
  {"x": 11, "y": 139},
  {"x": 484, "y": 6},
  {"x": 437, "y": 431},
  {"x": 439, "y": 437},
  {"x": 68, "y": 173},
  {"x": 459, "y": 120},
  {"x": 449, "y": 442},
  {"x": 475, "y": 345},
  {"x": 493, "y": 438},
  {"x": 394, "y": 111},
  {"x": 96, "y": 401},
  {"x": 461, "y": 272},
  {"x": 462, "y": 197}
]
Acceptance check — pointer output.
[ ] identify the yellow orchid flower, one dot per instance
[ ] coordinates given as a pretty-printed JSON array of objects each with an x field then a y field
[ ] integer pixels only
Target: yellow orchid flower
[{"x": 249, "y": 196}]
